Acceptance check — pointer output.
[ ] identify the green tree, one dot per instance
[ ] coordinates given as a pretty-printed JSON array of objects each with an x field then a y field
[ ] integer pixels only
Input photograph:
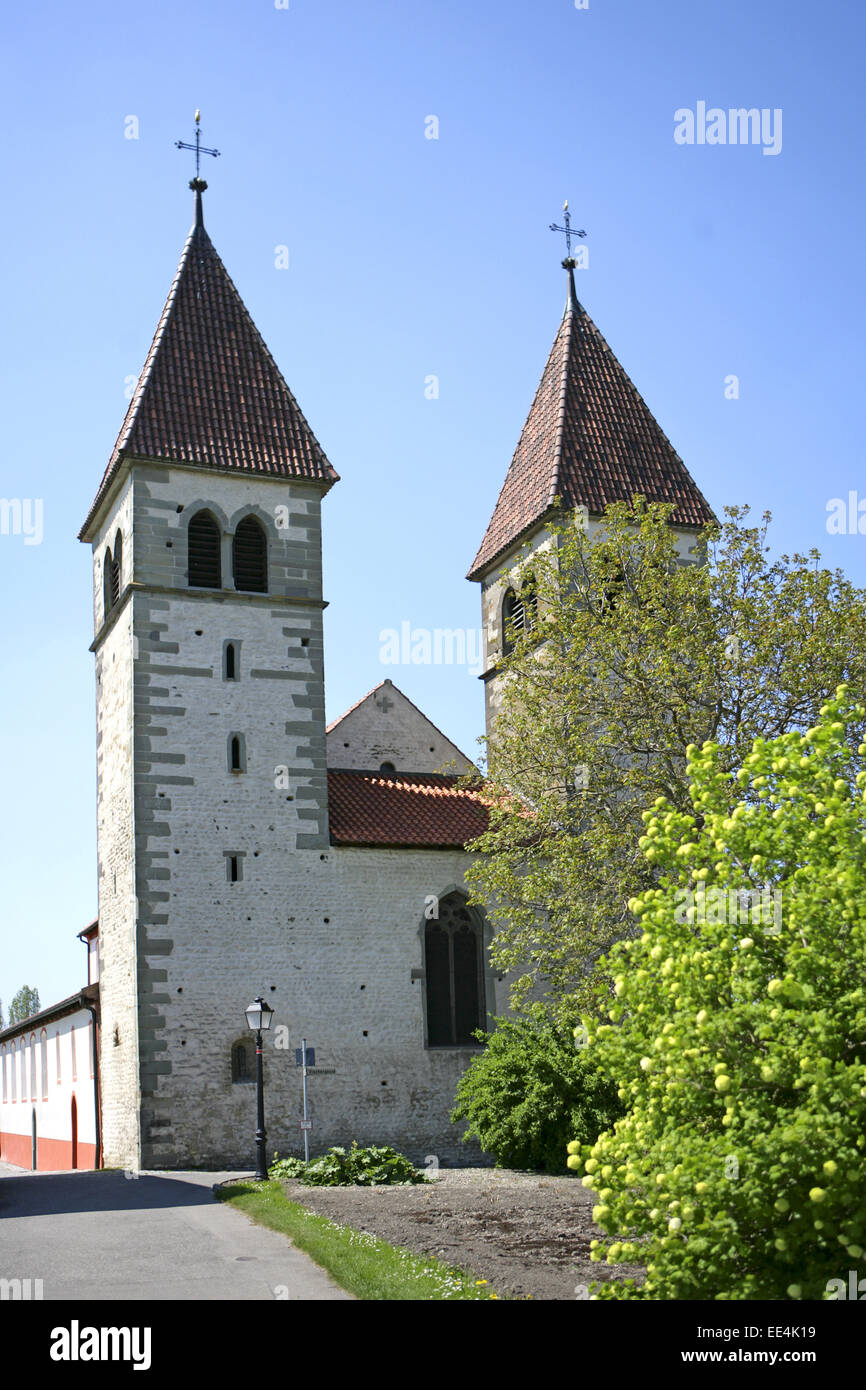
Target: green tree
[
  {"x": 531, "y": 1091},
  {"x": 738, "y": 1031},
  {"x": 634, "y": 656},
  {"x": 24, "y": 1003}
]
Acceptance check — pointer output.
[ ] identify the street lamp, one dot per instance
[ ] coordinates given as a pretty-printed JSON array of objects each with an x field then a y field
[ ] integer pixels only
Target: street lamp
[{"x": 259, "y": 1016}]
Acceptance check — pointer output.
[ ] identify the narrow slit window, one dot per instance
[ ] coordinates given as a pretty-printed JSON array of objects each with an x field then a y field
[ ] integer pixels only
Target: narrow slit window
[
  {"x": 230, "y": 667},
  {"x": 237, "y": 753},
  {"x": 233, "y": 868}
]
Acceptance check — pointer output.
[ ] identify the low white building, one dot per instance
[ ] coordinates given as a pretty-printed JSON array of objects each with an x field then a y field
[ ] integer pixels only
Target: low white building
[{"x": 49, "y": 1082}]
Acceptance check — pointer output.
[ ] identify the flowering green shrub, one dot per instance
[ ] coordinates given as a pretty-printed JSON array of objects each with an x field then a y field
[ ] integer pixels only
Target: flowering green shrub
[
  {"x": 738, "y": 1171},
  {"x": 353, "y": 1167},
  {"x": 529, "y": 1092}
]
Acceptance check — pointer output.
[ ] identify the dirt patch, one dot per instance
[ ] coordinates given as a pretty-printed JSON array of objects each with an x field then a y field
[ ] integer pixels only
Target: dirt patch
[{"x": 526, "y": 1234}]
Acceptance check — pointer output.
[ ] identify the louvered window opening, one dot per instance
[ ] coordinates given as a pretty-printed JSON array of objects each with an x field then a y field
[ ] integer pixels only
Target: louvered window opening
[
  {"x": 205, "y": 570},
  {"x": 116, "y": 566},
  {"x": 519, "y": 614},
  {"x": 250, "y": 557},
  {"x": 454, "y": 976}
]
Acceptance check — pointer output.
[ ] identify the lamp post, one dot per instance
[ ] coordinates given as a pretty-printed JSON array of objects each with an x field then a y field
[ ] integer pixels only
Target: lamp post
[{"x": 259, "y": 1016}]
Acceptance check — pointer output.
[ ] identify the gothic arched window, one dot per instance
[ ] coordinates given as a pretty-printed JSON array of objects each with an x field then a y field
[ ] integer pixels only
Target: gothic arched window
[
  {"x": 250, "y": 557},
  {"x": 110, "y": 583},
  {"x": 519, "y": 613},
  {"x": 454, "y": 974},
  {"x": 116, "y": 568},
  {"x": 243, "y": 1061},
  {"x": 203, "y": 552}
]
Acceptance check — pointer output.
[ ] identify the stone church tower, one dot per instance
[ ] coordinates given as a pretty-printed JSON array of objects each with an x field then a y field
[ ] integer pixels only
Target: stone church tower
[
  {"x": 589, "y": 439},
  {"x": 242, "y": 848}
]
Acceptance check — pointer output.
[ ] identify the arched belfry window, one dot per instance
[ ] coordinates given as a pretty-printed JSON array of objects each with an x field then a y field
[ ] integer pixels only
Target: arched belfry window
[
  {"x": 107, "y": 566},
  {"x": 116, "y": 568},
  {"x": 250, "y": 557},
  {"x": 203, "y": 540},
  {"x": 519, "y": 613},
  {"x": 454, "y": 974}
]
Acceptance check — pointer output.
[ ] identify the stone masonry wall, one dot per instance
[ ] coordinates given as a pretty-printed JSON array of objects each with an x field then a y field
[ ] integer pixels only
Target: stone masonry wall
[
  {"x": 118, "y": 1032},
  {"x": 332, "y": 938}
]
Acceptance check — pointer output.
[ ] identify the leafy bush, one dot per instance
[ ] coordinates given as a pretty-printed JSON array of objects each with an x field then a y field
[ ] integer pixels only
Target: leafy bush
[
  {"x": 529, "y": 1092},
  {"x": 355, "y": 1167},
  {"x": 738, "y": 1172}
]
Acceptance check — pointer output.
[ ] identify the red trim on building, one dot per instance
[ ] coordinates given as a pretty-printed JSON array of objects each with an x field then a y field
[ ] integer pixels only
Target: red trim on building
[{"x": 52, "y": 1155}]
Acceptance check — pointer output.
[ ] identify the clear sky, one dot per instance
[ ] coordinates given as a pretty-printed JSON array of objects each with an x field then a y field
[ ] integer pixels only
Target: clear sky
[{"x": 409, "y": 258}]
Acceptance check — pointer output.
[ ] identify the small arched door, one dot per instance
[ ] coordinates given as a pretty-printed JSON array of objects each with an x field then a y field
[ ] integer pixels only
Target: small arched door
[{"x": 74, "y": 1116}]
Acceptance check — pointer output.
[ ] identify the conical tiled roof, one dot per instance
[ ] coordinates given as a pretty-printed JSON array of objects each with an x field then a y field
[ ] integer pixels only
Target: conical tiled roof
[
  {"x": 589, "y": 439},
  {"x": 210, "y": 393}
]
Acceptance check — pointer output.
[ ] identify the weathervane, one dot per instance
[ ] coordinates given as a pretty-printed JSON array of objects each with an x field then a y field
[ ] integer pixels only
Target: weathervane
[
  {"x": 199, "y": 150},
  {"x": 569, "y": 261}
]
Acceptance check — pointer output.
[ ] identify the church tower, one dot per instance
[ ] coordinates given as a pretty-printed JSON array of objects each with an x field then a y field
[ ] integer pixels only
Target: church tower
[
  {"x": 245, "y": 849},
  {"x": 589, "y": 439},
  {"x": 212, "y": 787}
]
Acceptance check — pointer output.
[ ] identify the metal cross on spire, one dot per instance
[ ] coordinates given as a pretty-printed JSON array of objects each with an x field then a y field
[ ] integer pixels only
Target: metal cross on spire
[
  {"x": 198, "y": 146},
  {"x": 570, "y": 231}
]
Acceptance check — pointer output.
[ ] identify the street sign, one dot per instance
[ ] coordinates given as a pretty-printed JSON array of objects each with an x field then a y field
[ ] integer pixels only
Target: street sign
[
  {"x": 306, "y": 1124},
  {"x": 299, "y": 1056},
  {"x": 321, "y": 1071}
]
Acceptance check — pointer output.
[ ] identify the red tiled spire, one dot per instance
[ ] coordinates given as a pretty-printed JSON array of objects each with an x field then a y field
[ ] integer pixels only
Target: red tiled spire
[
  {"x": 210, "y": 393},
  {"x": 589, "y": 439}
]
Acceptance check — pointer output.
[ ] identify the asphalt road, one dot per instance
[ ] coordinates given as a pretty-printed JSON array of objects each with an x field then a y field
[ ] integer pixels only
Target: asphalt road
[{"x": 101, "y": 1235}]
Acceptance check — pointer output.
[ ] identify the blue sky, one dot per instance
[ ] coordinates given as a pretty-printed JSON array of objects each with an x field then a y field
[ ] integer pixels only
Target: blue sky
[{"x": 408, "y": 258}]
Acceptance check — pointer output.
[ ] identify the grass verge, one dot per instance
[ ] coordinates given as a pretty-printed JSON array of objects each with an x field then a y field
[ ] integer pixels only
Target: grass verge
[{"x": 362, "y": 1264}]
